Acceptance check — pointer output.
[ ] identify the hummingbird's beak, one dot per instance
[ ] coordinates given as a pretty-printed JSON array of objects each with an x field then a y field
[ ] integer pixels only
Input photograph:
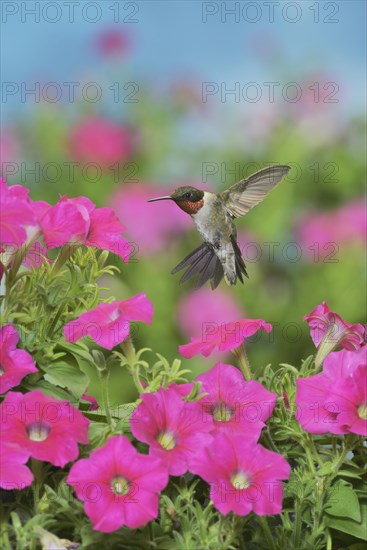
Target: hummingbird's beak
[{"x": 166, "y": 198}]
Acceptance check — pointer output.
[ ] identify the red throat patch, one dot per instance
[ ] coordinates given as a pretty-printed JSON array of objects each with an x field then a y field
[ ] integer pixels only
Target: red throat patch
[{"x": 190, "y": 207}]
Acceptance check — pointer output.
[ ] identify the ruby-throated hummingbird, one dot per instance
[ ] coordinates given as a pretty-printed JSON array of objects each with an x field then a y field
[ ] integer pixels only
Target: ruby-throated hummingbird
[{"x": 219, "y": 255}]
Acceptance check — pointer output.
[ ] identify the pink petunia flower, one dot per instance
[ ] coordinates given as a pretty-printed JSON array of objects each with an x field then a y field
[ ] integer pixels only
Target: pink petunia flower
[
  {"x": 335, "y": 401},
  {"x": 92, "y": 400},
  {"x": 341, "y": 364},
  {"x": 13, "y": 472},
  {"x": 100, "y": 140},
  {"x": 243, "y": 475},
  {"x": 15, "y": 363},
  {"x": 225, "y": 336},
  {"x": 18, "y": 218},
  {"x": 131, "y": 206},
  {"x": 329, "y": 331},
  {"x": 324, "y": 322},
  {"x": 237, "y": 406},
  {"x": 77, "y": 220},
  {"x": 173, "y": 429},
  {"x": 118, "y": 485},
  {"x": 109, "y": 324},
  {"x": 48, "y": 429}
]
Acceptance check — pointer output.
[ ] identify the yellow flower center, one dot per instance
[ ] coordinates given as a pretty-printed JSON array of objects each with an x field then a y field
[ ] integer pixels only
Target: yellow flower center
[
  {"x": 38, "y": 431},
  {"x": 362, "y": 411},
  {"x": 120, "y": 486},
  {"x": 222, "y": 413},
  {"x": 167, "y": 440},
  {"x": 240, "y": 481}
]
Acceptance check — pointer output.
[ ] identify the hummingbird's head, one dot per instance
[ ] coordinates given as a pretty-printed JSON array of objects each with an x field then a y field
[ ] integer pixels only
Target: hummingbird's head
[{"x": 189, "y": 199}]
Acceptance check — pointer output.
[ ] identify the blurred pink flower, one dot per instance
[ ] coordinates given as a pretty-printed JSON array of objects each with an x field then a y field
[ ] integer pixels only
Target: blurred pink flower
[
  {"x": 173, "y": 428},
  {"x": 13, "y": 472},
  {"x": 48, "y": 429},
  {"x": 9, "y": 149},
  {"x": 330, "y": 327},
  {"x": 225, "y": 336},
  {"x": 109, "y": 324},
  {"x": 118, "y": 485},
  {"x": 113, "y": 42},
  {"x": 150, "y": 227},
  {"x": 237, "y": 406},
  {"x": 319, "y": 231},
  {"x": 243, "y": 475},
  {"x": 77, "y": 220},
  {"x": 102, "y": 141},
  {"x": 197, "y": 308},
  {"x": 15, "y": 363}
]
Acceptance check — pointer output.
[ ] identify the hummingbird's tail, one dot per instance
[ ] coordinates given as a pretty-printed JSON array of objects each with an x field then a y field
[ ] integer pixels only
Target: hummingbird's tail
[{"x": 204, "y": 262}]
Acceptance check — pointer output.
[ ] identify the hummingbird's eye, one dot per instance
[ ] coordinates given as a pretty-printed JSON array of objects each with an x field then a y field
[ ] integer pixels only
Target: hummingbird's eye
[{"x": 187, "y": 195}]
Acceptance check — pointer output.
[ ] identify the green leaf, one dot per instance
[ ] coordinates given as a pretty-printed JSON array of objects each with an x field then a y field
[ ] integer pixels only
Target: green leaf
[
  {"x": 349, "y": 526},
  {"x": 343, "y": 501},
  {"x": 67, "y": 376},
  {"x": 49, "y": 389}
]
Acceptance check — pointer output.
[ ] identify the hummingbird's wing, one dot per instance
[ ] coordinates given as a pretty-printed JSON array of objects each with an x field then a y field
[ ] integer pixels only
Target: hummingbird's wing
[{"x": 247, "y": 193}]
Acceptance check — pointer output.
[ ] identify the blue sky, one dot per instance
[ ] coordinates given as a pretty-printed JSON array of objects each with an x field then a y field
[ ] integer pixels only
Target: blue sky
[{"x": 171, "y": 38}]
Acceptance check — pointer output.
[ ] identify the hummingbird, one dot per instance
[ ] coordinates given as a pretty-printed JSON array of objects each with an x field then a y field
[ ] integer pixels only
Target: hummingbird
[{"x": 213, "y": 213}]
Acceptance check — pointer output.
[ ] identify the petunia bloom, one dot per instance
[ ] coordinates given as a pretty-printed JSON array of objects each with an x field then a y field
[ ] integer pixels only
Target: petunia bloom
[
  {"x": 329, "y": 331},
  {"x": 78, "y": 221},
  {"x": 15, "y": 363},
  {"x": 13, "y": 472},
  {"x": 90, "y": 399},
  {"x": 173, "y": 429},
  {"x": 236, "y": 406},
  {"x": 109, "y": 324},
  {"x": 225, "y": 336},
  {"x": 46, "y": 428},
  {"x": 18, "y": 218},
  {"x": 243, "y": 475},
  {"x": 335, "y": 401},
  {"x": 118, "y": 485}
]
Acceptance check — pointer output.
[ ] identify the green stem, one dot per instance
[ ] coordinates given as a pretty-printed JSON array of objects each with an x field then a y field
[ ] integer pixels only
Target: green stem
[
  {"x": 105, "y": 376},
  {"x": 297, "y": 530},
  {"x": 4, "y": 540},
  {"x": 37, "y": 472},
  {"x": 129, "y": 352},
  {"x": 314, "y": 451},
  {"x": 265, "y": 527},
  {"x": 59, "y": 311},
  {"x": 66, "y": 251},
  {"x": 243, "y": 361},
  {"x": 310, "y": 459}
]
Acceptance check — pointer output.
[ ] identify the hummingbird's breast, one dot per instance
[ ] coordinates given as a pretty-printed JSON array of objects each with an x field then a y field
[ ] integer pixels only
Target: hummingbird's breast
[{"x": 212, "y": 221}]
